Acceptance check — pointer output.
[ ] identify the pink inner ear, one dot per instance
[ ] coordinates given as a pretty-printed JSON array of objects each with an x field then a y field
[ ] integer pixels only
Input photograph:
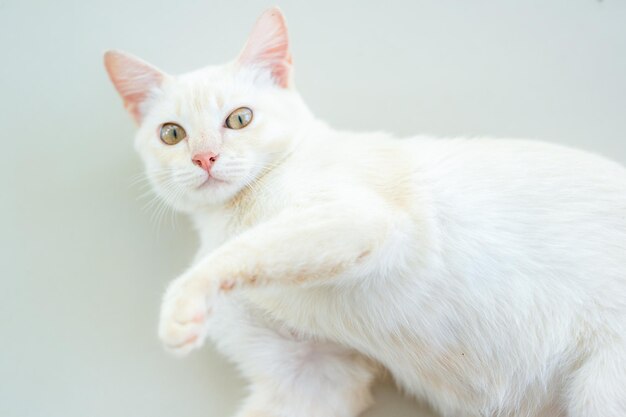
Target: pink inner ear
[
  {"x": 268, "y": 46},
  {"x": 133, "y": 78}
]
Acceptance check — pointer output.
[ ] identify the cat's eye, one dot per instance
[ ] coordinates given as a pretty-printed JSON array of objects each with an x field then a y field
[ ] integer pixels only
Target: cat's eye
[
  {"x": 171, "y": 133},
  {"x": 239, "y": 118}
]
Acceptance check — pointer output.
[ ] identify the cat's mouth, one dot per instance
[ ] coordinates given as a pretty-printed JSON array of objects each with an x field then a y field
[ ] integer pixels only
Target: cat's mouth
[{"x": 211, "y": 181}]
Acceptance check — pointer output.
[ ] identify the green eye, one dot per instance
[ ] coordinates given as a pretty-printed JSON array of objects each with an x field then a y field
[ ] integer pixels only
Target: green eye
[
  {"x": 239, "y": 118},
  {"x": 171, "y": 133}
]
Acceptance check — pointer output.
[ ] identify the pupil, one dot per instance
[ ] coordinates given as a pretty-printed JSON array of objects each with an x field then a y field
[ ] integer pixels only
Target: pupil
[
  {"x": 240, "y": 119},
  {"x": 174, "y": 133}
]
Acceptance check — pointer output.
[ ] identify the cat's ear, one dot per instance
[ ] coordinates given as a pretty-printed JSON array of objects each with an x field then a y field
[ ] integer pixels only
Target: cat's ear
[
  {"x": 134, "y": 79},
  {"x": 268, "y": 47}
]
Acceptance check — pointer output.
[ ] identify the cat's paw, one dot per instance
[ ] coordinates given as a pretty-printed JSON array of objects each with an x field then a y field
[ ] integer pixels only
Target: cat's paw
[{"x": 185, "y": 313}]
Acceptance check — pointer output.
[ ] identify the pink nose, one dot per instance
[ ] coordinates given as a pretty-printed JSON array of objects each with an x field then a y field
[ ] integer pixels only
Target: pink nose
[{"x": 205, "y": 160}]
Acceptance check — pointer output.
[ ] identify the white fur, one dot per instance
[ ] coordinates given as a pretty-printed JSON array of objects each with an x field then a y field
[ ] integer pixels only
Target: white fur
[{"x": 488, "y": 277}]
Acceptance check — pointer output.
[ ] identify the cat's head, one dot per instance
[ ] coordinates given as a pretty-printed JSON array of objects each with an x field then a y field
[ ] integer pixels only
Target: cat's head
[{"x": 206, "y": 135}]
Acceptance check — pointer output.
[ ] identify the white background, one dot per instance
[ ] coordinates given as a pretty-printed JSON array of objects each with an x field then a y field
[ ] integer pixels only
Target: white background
[{"x": 82, "y": 264}]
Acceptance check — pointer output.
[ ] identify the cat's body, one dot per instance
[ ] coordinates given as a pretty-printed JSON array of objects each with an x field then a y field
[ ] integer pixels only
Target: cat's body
[
  {"x": 449, "y": 277},
  {"x": 487, "y": 276}
]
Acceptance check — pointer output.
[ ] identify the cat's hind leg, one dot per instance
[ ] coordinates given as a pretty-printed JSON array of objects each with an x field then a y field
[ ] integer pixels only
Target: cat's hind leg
[
  {"x": 311, "y": 380},
  {"x": 598, "y": 388},
  {"x": 291, "y": 376}
]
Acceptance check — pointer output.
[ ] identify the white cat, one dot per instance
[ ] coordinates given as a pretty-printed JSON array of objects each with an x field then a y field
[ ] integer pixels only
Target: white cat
[{"x": 486, "y": 276}]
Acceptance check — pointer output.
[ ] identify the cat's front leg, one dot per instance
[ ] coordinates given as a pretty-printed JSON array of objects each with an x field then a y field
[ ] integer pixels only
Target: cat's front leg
[{"x": 301, "y": 245}]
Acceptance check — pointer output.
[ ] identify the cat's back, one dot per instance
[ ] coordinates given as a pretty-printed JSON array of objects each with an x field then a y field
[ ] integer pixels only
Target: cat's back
[
  {"x": 519, "y": 159},
  {"x": 513, "y": 174},
  {"x": 514, "y": 179}
]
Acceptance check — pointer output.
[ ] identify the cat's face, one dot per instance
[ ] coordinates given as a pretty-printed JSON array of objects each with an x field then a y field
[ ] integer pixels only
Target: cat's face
[{"x": 206, "y": 135}]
